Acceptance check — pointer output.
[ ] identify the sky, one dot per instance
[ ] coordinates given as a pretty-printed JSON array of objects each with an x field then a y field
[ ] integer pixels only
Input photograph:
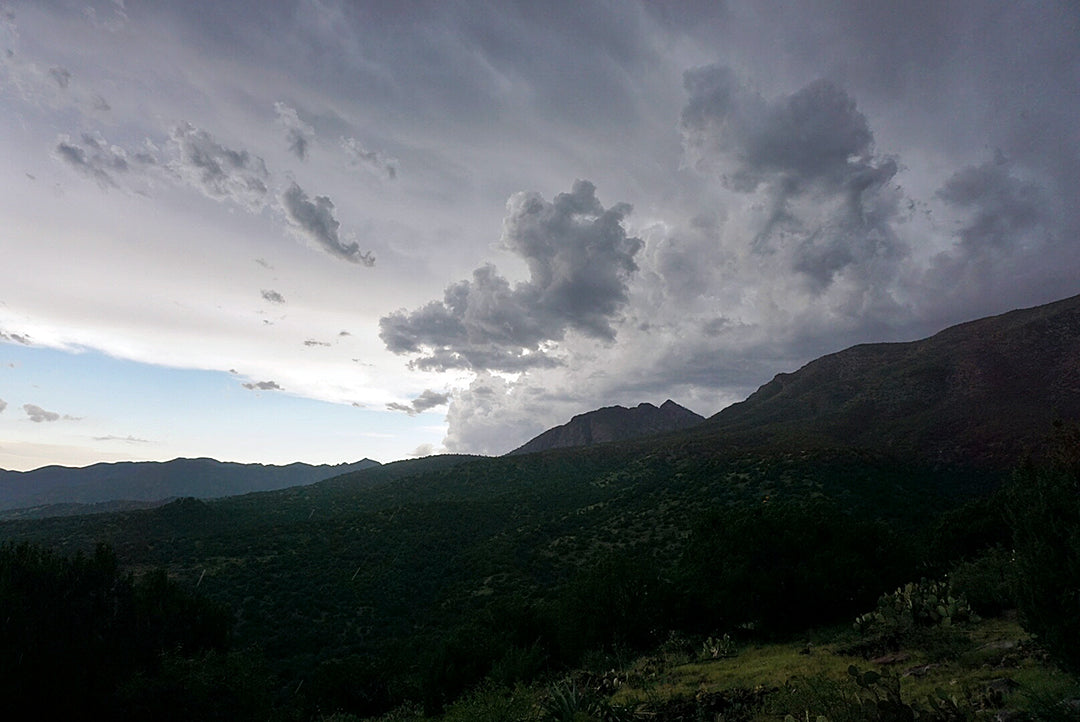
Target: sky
[{"x": 322, "y": 230}]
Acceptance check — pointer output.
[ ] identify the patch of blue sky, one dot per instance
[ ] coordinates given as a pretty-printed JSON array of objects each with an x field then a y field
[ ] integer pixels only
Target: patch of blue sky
[{"x": 114, "y": 408}]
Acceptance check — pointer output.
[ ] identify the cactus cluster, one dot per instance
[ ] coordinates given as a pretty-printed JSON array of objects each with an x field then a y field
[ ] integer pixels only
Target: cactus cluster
[
  {"x": 719, "y": 648},
  {"x": 925, "y": 603}
]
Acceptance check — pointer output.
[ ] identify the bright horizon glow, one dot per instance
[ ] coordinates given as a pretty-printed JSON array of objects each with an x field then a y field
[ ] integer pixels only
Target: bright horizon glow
[{"x": 142, "y": 412}]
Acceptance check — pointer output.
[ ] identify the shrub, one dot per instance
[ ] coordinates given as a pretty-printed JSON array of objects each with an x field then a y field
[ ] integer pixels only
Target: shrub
[
  {"x": 1045, "y": 517},
  {"x": 617, "y": 604},
  {"x": 783, "y": 567},
  {"x": 489, "y": 703},
  {"x": 987, "y": 581}
]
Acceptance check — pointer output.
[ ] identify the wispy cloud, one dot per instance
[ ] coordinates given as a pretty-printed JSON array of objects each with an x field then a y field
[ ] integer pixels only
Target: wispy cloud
[
  {"x": 126, "y": 439},
  {"x": 371, "y": 160},
  {"x": 94, "y": 158},
  {"x": 220, "y": 172},
  {"x": 315, "y": 218},
  {"x": 61, "y": 75},
  {"x": 298, "y": 134},
  {"x": 262, "y": 386},
  {"x": 16, "y": 337},
  {"x": 39, "y": 415},
  {"x": 427, "y": 400}
]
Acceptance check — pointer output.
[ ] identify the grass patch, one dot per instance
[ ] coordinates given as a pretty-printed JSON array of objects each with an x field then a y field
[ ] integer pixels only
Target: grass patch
[
  {"x": 997, "y": 666},
  {"x": 754, "y": 667}
]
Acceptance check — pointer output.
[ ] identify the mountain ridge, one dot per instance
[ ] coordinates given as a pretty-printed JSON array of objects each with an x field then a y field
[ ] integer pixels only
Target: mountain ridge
[
  {"x": 152, "y": 481},
  {"x": 613, "y": 423},
  {"x": 980, "y": 391}
]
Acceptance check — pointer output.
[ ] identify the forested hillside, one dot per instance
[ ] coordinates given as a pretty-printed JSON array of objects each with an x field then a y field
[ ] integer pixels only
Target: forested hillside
[{"x": 418, "y": 587}]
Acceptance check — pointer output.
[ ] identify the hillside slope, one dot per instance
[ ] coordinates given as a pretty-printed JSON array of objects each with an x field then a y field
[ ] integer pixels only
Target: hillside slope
[{"x": 979, "y": 392}]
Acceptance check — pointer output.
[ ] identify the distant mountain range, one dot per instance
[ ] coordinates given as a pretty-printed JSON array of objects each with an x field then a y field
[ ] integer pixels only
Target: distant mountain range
[
  {"x": 980, "y": 392},
  {"x": 614, "y": 423},
  {"x": 67, "y": 488}
]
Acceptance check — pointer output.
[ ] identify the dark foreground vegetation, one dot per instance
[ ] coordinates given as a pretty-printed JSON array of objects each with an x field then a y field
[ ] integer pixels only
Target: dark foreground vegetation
[{"x": 630, "y": 582}]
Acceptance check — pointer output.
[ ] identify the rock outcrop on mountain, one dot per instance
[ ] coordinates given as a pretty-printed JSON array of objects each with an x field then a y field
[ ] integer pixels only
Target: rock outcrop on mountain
[{"x": 614, "y": 423}]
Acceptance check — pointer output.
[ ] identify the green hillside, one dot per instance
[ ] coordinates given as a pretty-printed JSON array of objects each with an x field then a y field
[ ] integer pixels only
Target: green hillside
[{"x": 400, "y": 564}]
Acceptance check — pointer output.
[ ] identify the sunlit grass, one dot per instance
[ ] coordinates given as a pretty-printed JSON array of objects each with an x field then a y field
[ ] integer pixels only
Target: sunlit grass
[
  {"x": 766, "y": 665},
  {"x": 998, "y": 654}
]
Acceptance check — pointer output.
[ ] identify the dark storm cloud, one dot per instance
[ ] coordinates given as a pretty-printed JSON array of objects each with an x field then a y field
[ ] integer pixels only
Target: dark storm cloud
[
  {"x": 427, "y": 400},
  {"x": 38, "y": 414},
  {"x": 298, "y": 134},
  {"x": 1003, "y": 208},
  {"x": 373, "y": 160},
  {"x": 220, "y": 172},
  {"x": 579, "y": 259},
  {"x": 316, "y": 219},
  {"x": 94, "y": 157},
  {"x": 813, "y": 145},
  {"x": 272, "y": 296},
  {"x": 814, "y": 134},
  {"x": 1013, "y": 239},
  {"x": 263, "y": 386}
]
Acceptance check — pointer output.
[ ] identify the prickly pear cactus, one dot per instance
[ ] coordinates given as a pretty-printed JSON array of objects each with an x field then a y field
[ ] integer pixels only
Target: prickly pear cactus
[{"x": 926, "y": 603}]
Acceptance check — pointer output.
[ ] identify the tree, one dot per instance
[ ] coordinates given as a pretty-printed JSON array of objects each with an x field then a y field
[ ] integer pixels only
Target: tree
[
  {"x": 785, "y": 566},
  {"x": 74, "y": 631},
  {"x": 1044, "y": 513}
]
